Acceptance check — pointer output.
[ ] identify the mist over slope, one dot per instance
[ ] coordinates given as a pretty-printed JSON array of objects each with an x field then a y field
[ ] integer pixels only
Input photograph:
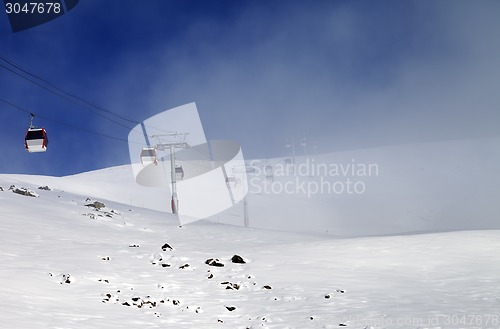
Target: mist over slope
[{"x": 442, "y": 186}]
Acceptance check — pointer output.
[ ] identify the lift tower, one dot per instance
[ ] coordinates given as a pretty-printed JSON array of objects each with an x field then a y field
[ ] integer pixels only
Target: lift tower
[{"x": 171, "y": 142}]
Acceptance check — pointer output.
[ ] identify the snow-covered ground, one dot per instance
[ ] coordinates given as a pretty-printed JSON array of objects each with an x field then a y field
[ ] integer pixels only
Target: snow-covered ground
[{"x": 66, "y": 264}]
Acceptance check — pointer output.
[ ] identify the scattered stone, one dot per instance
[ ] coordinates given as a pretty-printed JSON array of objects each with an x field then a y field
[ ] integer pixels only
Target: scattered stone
[
  {"x": 220, "y": 321},
  {"x": 156, "y": 259},
  {"x": 342, "y": 324},
  {"x": 91, "y": 216},
  {"x": 65, "y": 278},
  {"x": 267, "y": 287},
  {"x": 23, "y": 191},
  {"x": 1, "y": 189},
  {"x": 96, "y": 204},
  {"x": 103, "y": 280},
  {"x": 231, "y": 286},
  {"x": 134, "y": 246},
  {"x": 328, "y": 296},
  {"x": 126, "y": 304},
  {"x": 230, "y": 308},
  {"x": 214, "y": 262},
  {"x": 150, "y": 303},
  {"x": 211, "y": 276},
  {"x": 175, "y": 302},
  {"x": 106, "y": 298},
  {"x": 184, "y": 266},
  {"x": 45, "y": 188},
  {"x": 165, "y": 265},
  {"x": 166, "y": 246},
  {"x": 105, "y": 258},
  {"x": 238, "y": 259},
  {"x": 341, "y": 291}
]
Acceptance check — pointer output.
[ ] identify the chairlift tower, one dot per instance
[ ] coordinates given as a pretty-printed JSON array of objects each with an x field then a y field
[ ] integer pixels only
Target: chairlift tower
[
  {"x": 171, "y": 142},
  {"x": 290, "y": 143},
  {"x": 303, "y": 142}
]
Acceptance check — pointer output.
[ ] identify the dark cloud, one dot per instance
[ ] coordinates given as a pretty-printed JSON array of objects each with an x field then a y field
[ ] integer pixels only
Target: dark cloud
[{"x": 349, "y": 74}]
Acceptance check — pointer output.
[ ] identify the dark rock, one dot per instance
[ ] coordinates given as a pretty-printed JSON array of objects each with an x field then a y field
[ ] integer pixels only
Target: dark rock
[
  {"x": 126, "y": 304},
  {"x": 328, "y": 296},
  {"x": 134, "y": 246},
  {"x": 23, "y": 191},
  {"x": 211, "y": 276},
  {"x": 184, "y": 266},
  {"x": 166, "y": 246},
  {"x": 238, "y": 259},
  {"x": 214, "y": 262},
  {"x": 231, "y": 286},
  {"x": 96, "y": 204},
  {"x": 66, "y": 278},
  {"x": 230, "y": 308},
  {"x": 45, "y": 188},
  {"x": 150, "y": 303},
  {"x": 165, "y": 265},
  {"x": 267, "y": 287}
]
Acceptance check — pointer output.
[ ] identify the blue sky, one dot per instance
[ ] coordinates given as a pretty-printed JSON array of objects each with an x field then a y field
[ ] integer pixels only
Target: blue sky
[{"x": 348, "y": 74}]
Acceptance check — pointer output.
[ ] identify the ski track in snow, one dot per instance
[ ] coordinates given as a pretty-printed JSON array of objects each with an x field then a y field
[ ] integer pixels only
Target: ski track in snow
[{"x": 67, "y": 265}]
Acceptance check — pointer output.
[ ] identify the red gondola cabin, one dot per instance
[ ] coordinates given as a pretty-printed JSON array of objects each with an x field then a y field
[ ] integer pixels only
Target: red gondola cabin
[{"x": 36, "y": 140}]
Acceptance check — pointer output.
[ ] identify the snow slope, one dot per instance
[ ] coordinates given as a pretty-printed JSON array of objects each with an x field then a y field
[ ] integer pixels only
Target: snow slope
[
  {"x": 428, "y": 187},
  {"x": 68, "y": 265}
]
